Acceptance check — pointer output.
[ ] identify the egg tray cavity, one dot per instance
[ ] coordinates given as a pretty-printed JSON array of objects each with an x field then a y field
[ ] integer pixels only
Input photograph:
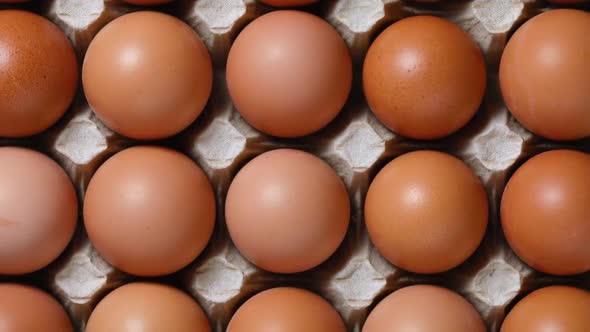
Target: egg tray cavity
[{"x": 355, "y": 144}]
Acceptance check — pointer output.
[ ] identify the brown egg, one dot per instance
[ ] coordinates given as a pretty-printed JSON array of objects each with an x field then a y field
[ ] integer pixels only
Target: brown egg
[
  {"x": 147, "y": 2},
  {"x": 544, "y": 74},
  {"x": 38, "y": 73},
  {"x": 424, "y": 77},
  {"x": 147, "y": 75},
  {"x": 25, "y": 308},
  {"x": 426, "y": 212},
  {"x": 286, "y": 309},
  {"x": 147, "y": 307},
  {"x": 545, "y": 212},
  {"x": 554, "y": 308},
  {"x": 149, "y": 211},
  {"x": 287, "y": 211},
  {"x": 424, "y": 308},
  {"x": 38, "y": 210},
  {"x": 288, "y": 3},
  {"x": 289, "y": 73},
  {"x": 567, "y": 1}
]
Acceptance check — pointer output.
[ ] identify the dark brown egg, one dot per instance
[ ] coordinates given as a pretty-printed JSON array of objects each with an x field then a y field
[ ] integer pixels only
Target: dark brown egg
[
  {"x": 426, "y": 212},
  {"x": 286, "y": 309},
  {"x": 38, "y": 210},
  {"x": 288, "y": 3},
  {"x": 424, "y": 308},
  {"x": 289, "y": 73},
  {"x": 38, "y": 73},
  {"x": 545, "y": 212},
  {"x": 554, "y": 308},
  {"x": 25, "y": 308},
  {"x": 544, "y": 74},
  {"x": 287, "y": 211},
  {"x": 149, "y": 211},
  {"x": 147, "y": 75},
  {"x": 147, "y": 307},
  {"x": 424, "y": 77}
]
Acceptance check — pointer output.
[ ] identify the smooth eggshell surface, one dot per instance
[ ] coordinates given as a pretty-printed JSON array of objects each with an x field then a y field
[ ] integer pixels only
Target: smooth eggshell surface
[
  {"x": 38, "y": 210},
  {"x": 289, "y": 73},
  {"x": 38, "y": 73},
  {"x": 147, "y": 2},
  {"x": 287, "y": 211},
  {"x": 424, "y": 77},
  {"x": 147, "y": 307},
  {"x": 426, "y": 211},
  {"x": 544, "y": 74},
  {"x": 545, "y": 212},
  {"x": 554, "y": 308},
  {"x": 25, "y": 308},
  {"x": 567, "y": 1},
  {"x": 286, "y": 309},
  {"x": 147, "y": 75},
  {"x": 288, "y": 3},
  {"x": 149, "y": 210},
  {"x": 424, "y": 308}
]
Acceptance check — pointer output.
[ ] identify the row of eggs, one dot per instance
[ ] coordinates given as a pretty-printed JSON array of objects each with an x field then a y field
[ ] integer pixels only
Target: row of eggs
[
  {"x": 150, "y": 211},
  {"x": 146, "y": 306},
  {"x": 148, "y": 75}
]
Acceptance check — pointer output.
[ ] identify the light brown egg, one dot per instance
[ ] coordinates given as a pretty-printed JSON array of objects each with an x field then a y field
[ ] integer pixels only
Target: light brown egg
[
  {"x": 545, "y": 212},
  {"x": 147, "y": 75},
  {"x": 38, "y": 73},
  {"x": 286, "y": 309},
  {"x": 554, "y": 308},
  {"x": 287, "y": 211},
  {"x": 25, "y": 308},
  {"x": 426, "y": 212},
  {"x": 424, "y": 308},
  {"x": 149, "y": 211},
  {"x": 544, "y": 76},
  {"x": 147, "y": 307},
  {"x": 424, "y": 77},
  {"x": 38, "y": 210},
  {"x": 148, "y": 2},
  {"x": 288, "y": 3},
  {"x": 289, "y": 73}
]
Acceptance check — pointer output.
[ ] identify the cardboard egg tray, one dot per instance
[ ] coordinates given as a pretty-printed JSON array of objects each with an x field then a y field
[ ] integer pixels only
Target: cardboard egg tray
[{"x": 355, "y": 144}]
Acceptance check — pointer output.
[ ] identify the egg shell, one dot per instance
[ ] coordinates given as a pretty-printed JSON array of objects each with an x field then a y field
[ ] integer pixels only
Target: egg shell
[
  {"x": 289, "y": 73},
  {"x": 545, "y": 212},
  {"x": 544, "y": 74},
  {"x": 147, "y": 75},
  {"x": 147, "y": 307},
  {"x": 288, "y": 3},
  {"x": 426, "y": 211},
  {"x": 149, "y": 210},
  {"x": 38, "y": 73},
  {"x": 38, "y": 210},
  {"x": 286, "y": 309},
  {"x": 287, "y": 211},
  {"x": 25, "y": 308},
  {"x": 148, "y": 2},
  {"x": 554, "y": 308},
  {"x": 424, "y": 308},
  {"x": 424, "y": 77},
  {"x": 567, "y": 1}
]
